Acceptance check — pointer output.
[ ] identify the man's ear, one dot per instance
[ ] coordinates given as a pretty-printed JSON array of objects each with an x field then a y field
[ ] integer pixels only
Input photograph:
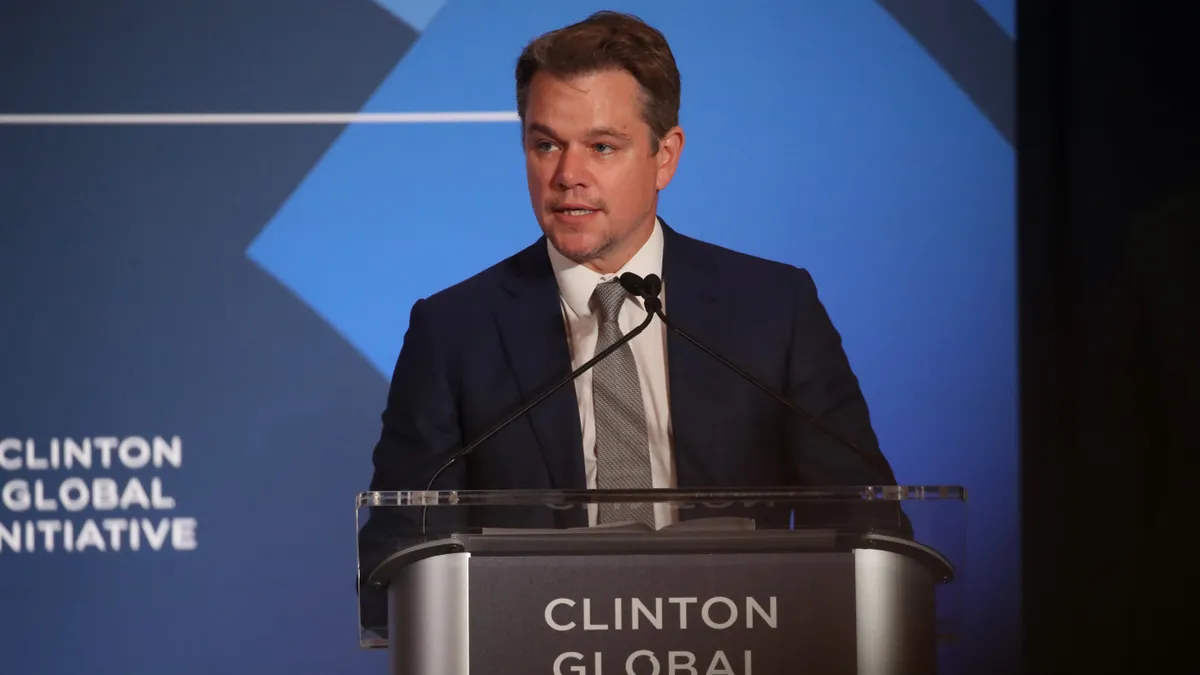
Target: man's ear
[{"x": 670, "y": 147}]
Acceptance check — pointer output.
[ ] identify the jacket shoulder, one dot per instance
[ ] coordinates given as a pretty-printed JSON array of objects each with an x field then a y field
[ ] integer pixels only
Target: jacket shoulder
[
  {"x": 750, "y": 269},
  {"x": 469, "y": 296}
]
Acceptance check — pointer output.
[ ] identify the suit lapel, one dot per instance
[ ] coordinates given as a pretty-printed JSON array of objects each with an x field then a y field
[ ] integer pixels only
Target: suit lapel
[
  {"x": 692, "y": 302},
  {"x": 534, "y": 336}
]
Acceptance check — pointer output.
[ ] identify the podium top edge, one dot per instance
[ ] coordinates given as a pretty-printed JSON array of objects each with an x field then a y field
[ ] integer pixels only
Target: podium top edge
[{"x": 798, "y": 495}]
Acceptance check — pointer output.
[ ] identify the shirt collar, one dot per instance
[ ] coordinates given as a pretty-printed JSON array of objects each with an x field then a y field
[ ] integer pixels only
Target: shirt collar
[{"x": 576, "y": 283}]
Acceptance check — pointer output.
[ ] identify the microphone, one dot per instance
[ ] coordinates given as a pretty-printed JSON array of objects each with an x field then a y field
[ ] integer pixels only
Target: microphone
[
  {"x": 525, "y": 409},
  {"x": 649, "y": 288}
]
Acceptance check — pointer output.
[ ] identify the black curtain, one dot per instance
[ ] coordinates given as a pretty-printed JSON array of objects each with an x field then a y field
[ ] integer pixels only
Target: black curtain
[{"x": 1109, "y": 250}]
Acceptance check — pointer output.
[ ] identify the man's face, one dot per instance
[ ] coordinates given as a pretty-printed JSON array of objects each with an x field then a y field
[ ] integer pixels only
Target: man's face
[{"x": 593, "y": 178}]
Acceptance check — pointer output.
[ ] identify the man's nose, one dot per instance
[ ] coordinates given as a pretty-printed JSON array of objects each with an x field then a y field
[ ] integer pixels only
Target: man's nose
[{"x": 572, "y": 170}]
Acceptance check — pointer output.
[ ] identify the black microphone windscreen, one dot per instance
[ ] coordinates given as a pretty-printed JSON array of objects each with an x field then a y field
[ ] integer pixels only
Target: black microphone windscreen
[
  {"x": 652, "y": 284},
  {"x": 632, "y": 283}
]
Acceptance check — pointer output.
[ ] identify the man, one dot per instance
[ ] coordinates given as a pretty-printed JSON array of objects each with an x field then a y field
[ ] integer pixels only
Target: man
[{"x": 599, "y": 104}]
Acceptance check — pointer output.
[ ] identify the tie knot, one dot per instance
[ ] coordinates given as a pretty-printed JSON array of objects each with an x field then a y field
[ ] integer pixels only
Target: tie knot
[{"x": 610, "y": 295}]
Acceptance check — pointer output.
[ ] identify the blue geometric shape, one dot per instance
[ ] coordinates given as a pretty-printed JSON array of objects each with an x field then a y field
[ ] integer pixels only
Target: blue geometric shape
[
  {"x": 415, "y": 13},
  {"x": 1004, "y": 12}
]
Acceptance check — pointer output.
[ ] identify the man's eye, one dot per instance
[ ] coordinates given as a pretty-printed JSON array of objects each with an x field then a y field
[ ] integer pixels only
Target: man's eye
[{"x": 604, "y": 148}]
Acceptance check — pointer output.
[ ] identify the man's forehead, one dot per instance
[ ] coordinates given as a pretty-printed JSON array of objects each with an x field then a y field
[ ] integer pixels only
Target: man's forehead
[{"x": 535, "y": 125}]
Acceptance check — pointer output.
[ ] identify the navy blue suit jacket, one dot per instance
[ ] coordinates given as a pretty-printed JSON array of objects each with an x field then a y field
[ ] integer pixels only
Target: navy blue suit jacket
[{"x": 476, "y": 351}]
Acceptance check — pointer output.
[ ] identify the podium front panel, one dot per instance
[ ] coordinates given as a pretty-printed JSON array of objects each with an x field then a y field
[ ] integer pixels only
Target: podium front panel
[{"x": 735, "y": 613}]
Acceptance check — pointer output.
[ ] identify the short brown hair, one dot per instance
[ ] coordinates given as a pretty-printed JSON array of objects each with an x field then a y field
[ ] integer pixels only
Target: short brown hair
[{"x": 609, "y": 41}]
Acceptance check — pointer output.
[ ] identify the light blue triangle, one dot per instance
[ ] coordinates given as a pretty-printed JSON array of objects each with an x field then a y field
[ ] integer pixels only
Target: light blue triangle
[{"x": 416, "y": 13}]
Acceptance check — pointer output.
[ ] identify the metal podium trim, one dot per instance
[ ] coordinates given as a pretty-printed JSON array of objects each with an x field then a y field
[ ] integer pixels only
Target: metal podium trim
[
  {"x": 429, "y": 617},
  {"x": 896, "y": 613}
]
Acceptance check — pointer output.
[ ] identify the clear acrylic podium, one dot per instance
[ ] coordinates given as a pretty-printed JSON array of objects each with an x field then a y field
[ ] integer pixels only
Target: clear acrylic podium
[{"x": 826, "y": 580}]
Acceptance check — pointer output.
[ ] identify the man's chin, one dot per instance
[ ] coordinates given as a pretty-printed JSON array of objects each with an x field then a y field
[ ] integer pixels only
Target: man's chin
[{"x": 576, "y": 247}]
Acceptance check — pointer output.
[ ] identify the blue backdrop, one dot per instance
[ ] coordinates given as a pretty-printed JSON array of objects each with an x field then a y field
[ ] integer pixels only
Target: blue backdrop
[{"x": 240, "y": 291}]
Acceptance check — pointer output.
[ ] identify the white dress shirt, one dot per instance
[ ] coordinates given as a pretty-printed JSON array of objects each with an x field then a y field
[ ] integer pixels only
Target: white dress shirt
[{"x": 576, "y": 284}]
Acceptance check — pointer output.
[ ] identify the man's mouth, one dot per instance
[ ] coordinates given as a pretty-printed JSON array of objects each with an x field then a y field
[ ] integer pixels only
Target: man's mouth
[{"x": 574, "y": 210}]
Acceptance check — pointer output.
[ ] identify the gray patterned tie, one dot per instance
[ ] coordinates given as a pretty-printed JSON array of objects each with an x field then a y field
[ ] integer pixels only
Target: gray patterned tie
[{"x": 622, "y": 446}]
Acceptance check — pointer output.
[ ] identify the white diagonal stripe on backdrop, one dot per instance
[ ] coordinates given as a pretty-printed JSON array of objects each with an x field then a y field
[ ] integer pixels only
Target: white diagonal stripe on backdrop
[{"x": 99, "y": 119}]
